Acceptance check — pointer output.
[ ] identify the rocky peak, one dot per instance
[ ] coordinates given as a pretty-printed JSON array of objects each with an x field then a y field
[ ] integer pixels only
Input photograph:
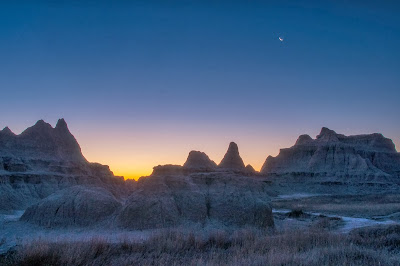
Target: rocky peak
[
  {"x": 68, "y": 146},
  {"x": 233, "y": 148},
  {"x": 42, "y": 124},
  {"x": 62, "y": 125},
  {"x": 303, "y": 139},
  {"x": 250, "y": 169},
  {"x": 199, "y": 160},
  {"x": 7, "y": 132},
  {"x": 62, "y": 132},
  {"x": 41, "y": 128},
  {"x": 327, "y": 134},
  {"x": 43, "y": 141},
  {"x": 232, "y": 159}
]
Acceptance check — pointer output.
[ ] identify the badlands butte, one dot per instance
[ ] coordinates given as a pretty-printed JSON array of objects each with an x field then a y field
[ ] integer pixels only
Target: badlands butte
[{"x": 45, "y": 177}]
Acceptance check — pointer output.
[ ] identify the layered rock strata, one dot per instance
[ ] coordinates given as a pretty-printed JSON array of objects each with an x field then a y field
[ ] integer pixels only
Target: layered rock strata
[{"x": 331, "y": 154}]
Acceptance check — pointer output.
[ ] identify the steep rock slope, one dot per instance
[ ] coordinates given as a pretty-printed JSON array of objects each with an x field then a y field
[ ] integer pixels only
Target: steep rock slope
[{"x": 331, "y": 154}]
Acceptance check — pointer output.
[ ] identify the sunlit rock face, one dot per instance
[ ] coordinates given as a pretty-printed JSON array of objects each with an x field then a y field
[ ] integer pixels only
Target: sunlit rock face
[
  {"x": 42, "y": 160},
  {"x": 232, "y": 159},
  {"x": 200, "y": 198},
  {"x": 74, "y": 206},
  {"x": 331, "y": 154}
]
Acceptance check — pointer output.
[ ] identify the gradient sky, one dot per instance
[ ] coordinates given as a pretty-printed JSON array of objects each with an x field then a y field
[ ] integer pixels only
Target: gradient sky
[{"x": 143, "y": 83}]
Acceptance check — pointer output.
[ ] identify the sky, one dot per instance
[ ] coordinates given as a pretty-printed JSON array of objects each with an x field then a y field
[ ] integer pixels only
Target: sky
[{"x": 141, "y": 83}]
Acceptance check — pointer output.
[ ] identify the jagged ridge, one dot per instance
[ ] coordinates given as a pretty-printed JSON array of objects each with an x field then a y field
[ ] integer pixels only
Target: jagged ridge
[
  {"x": 41, "y": 141},
  {"x": 332, "y": 154},
  {"x": 42, "y": 160}
]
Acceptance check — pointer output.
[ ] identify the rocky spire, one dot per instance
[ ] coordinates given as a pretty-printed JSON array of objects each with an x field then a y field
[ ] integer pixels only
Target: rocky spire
[
  {"x": 232, "y": 159},
  {"x": 68, "y": 146},
  {"x": 62, "y": 125}
]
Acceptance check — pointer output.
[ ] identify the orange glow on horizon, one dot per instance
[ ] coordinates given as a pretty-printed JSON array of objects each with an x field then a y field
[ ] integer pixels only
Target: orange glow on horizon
[
  {"x": 132, "y": 174},
  {"x": 134, "y": 155},
  {"x": 133, "y": 151},
  {"x": 135, "y": 165}
]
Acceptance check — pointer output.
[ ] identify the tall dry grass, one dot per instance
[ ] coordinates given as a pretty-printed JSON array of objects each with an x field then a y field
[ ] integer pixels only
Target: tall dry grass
[{"x": 379, "y": 246}]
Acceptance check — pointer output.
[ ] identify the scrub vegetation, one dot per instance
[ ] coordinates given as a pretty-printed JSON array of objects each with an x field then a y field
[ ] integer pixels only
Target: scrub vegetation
[{"x": 367, "y": 246}]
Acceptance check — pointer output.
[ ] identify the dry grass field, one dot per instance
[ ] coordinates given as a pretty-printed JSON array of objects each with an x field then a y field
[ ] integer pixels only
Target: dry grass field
[{"x": 368, "y": 246}]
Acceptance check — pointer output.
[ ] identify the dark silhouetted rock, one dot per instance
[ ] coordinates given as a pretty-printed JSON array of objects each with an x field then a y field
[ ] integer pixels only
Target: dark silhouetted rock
[
  {"x": 43, "y": 142},
  {"x": 232, "y": 159},
  {"x": 303, "y": 139},
  {"x": 296, "y": 214},
  {"x": 331, "y": 154},
  {"x": 6, "y": 132},
  {"x": 199, "y": 162},
  {"x": 168, "y": 169},
  {"x": 250, "y": 169}
]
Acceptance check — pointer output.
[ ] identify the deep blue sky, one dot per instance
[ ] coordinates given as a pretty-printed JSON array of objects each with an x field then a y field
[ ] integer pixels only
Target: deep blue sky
[{"x": 214, "y": 70}]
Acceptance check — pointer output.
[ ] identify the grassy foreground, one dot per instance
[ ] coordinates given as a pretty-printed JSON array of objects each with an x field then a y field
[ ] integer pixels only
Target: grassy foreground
[{"x": 369, "y": 246}]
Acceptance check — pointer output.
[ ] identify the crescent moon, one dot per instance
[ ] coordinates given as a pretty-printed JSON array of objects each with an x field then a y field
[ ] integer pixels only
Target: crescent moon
[{"x": 281, "y": 39}]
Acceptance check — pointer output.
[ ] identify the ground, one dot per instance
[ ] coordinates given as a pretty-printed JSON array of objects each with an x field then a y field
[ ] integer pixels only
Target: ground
[{"x": 324, "y": 225}]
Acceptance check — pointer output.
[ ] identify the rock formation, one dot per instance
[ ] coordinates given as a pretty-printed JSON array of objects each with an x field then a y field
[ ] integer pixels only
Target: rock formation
[
  {"x": 227, "y": 199},
  {"x": 199, "y": 162},
  {"x": 331, "y": 154},
  {"x": 232, "y": 159},
  {"x": 42, "y": 160},
  {"x": 168, "y": 169},
  {"x": 6, "y": 132},
  {"x": 250, "y": 169},
  {"x": 198, "y": 192},
  {"x": 74, "y": 206},
  {"x": 42, "y": 142}
]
